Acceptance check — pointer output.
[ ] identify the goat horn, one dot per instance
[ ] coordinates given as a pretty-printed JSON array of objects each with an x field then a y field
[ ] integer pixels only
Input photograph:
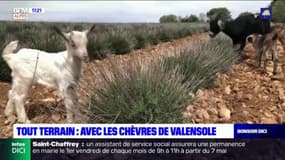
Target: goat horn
[
  {"x": 92, "y": 28},
  {"x": 58, "y": 31}
]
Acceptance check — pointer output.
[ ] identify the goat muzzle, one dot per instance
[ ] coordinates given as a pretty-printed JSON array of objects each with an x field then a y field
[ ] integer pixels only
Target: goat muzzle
[
  {"x": 86, "y": 59},
  {"x": 211, "y": 34}
]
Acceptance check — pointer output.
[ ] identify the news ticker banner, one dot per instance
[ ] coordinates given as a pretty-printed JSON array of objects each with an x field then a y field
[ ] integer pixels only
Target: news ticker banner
[
  {"x": 206, "y": 149},
  {"x": 149, "y": 131},
  {"x": 139, "y": 141}
]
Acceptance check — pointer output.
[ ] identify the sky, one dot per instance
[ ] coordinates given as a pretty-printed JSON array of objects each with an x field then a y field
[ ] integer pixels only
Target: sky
[{"x": 123, "y": 11}]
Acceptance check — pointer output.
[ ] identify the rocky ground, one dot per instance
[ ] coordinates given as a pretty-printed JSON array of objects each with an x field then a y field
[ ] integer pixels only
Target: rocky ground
[{"x": 244, "y": 94}]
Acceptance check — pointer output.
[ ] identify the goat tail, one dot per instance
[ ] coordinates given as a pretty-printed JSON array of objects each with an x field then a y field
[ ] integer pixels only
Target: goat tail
[{"x": 9, "y": 49}]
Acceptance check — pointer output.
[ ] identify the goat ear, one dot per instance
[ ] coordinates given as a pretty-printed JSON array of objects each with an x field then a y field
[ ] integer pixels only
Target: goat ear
[
  {"x": 212, "y": 17},
  {"x": 221, "y": 24},
  {"x": 249, "y": 39},
  {"x": 58, "y": 31},
  {"x": 91, "y": 29}
]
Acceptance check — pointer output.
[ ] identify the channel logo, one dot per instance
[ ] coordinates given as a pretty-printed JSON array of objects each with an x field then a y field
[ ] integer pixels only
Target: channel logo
[
  {"x": 266, "y": 13},
  {"x": 23, "y": 13},
  {"x": 20, "y": 13}
]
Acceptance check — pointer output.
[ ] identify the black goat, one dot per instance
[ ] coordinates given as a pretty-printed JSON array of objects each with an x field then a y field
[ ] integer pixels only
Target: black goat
[{"x": 239, "y": 28}]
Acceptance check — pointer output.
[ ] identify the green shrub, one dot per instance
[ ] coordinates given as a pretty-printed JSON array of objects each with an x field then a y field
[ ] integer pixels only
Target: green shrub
[
  {"x": 5, "y": 71},
  {"x": 153, "y": 39},
  {"x": 158, "y": 93},
  {"x": 97, "y": 46},
  {"x": 78, "y": 27},
  {"x": 141, "y": 41},
  {"x": 52, "y": 42},
  {"x": 200, "y": 64},
  {"x": 12, "y": 28},
  {"x": 163, "y": 36},
  {"x": 119, "y": 45},
  {"x": 139, "y": 94}
]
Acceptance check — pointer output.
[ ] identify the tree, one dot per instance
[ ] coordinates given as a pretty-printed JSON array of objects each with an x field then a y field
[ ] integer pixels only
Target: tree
[
  {"x": 224, "y": 13},
  {"x": 168, "y": 19},
  {"x": 202, "y": 17},
  {"x": 245, "y": 13},
  {"x": 278, "y": 9},
  {"x": 191, "y": 18}
]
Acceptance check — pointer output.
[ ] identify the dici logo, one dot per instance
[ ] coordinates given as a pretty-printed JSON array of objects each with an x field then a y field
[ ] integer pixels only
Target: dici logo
[
  {"x": 12, "y": 149},
  {"x": 266, "y": 13}
]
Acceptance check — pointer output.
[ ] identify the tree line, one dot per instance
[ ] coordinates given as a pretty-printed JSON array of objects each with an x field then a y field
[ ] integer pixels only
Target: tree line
[{"x": 278, "y": 12}]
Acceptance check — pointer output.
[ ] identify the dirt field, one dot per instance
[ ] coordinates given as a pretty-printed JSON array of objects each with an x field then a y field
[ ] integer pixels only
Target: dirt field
[{"x": 242, "y": 95}]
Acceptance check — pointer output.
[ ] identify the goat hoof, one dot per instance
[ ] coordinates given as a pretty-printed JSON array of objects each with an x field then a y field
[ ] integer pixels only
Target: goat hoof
[
  {"x": 26, "y": 121},
  {"x": 10, "y": 120}
]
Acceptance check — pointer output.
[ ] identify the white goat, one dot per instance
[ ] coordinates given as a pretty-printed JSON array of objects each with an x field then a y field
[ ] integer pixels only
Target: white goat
[{"x": 61, "y": 70}]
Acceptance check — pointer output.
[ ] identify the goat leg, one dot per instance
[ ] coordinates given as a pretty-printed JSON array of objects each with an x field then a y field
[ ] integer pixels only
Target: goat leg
[
  {"x": 282, "y": 41},
  {"x": 260, "y": 54},
  {"x": 10, "y": 107},
  {"x": 275, "y": 59},
  {"x": 264, "y": 55},
  {"x": 241, "y": 51},
  {"x": 19, "y": 103},
  {"x": 71, "y": 101}
]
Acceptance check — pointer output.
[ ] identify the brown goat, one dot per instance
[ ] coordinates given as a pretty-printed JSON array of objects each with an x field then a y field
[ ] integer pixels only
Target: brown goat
[{"x": 265, "y": 44}]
